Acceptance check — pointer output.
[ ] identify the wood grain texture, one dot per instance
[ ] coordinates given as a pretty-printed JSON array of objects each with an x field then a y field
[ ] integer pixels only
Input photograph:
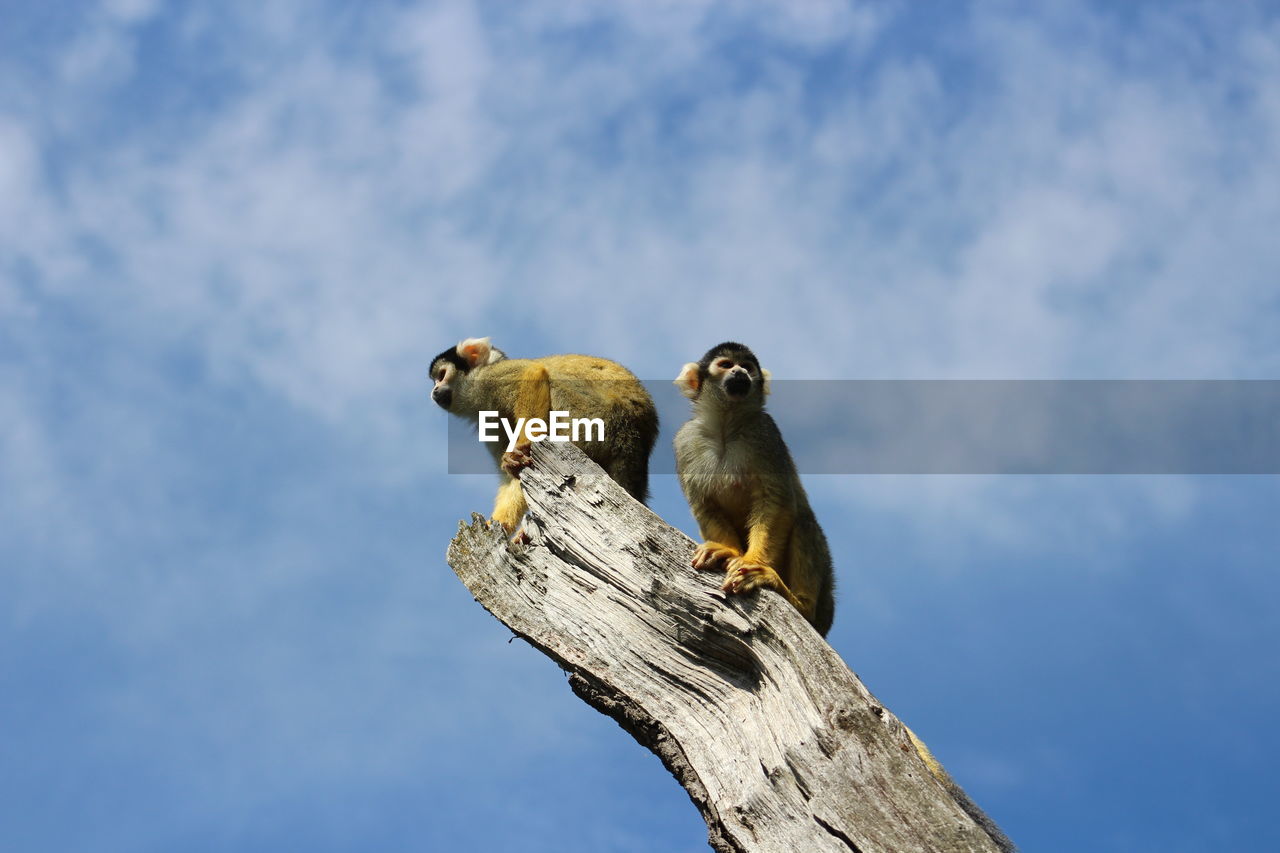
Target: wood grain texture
[{"x": 777, "y": 742}]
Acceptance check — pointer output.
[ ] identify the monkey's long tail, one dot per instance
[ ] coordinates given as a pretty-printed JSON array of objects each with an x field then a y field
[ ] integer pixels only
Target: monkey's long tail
[{"x": 957, "y": 793}]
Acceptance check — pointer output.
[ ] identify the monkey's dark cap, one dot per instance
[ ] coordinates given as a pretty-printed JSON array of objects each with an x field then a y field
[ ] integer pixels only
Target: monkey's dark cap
[
  {"x": 729, "y": 348},
  {"x": 451, "y": 355}
]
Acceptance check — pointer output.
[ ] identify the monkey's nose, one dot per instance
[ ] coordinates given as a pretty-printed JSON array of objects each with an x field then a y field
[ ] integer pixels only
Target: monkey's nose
[
  {"x": 738, "y": 383},
  {"x": 442, "y": 396}
]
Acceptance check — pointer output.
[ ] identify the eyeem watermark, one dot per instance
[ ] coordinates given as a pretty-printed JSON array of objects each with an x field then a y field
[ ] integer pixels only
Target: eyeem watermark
[
  {"x": 973, "y": 426},
  {"x": 558, "y": 427}
]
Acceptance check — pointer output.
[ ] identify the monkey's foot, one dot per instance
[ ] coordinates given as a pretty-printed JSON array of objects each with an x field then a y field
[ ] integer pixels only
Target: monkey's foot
[
  {"x": 709, "y": 555},
  {"x": 522, "y": 536},
  {"x": 515, "y": 461},
  {"x": 743, "y": 577}
]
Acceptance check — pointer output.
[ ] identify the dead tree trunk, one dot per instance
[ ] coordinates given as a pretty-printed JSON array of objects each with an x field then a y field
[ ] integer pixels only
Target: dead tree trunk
[{"x": 778, "y": 744}]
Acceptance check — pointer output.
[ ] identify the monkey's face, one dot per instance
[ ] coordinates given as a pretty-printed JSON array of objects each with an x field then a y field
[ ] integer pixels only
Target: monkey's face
[
  {"x": 729, "y": 372},
  {"x": 450, "y": 368},
  {"x": 444, "y": 373},
  {"x": 736, "y": 375}
]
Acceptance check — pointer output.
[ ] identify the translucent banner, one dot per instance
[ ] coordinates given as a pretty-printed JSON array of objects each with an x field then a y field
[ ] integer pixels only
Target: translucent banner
[{"x": 991, "y": 427}]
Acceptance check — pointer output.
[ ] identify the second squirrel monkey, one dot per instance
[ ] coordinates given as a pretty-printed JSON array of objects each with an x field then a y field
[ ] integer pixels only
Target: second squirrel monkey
[
  {"x": 743, "y": 488},
  {"x": 476, "y": 376},
  {"x": 746, "y": 496}
]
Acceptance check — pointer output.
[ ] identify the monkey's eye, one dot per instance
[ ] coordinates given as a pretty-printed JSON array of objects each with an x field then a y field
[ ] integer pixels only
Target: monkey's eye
[{"x": 724, "y": 364}]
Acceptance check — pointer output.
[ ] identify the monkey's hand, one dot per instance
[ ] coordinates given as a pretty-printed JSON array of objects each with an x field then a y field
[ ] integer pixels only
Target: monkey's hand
[
  {"x": 507, "y": 526},
  {"x": 709, "y": 555},
  {"x": 742, "y": 577},
  {"x": 515, "y": 461},
  {"x": 521, "y": 535}
]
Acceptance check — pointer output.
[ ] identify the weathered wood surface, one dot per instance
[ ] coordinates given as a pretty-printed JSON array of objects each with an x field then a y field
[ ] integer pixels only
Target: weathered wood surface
[{"x": 777, "y": 742}]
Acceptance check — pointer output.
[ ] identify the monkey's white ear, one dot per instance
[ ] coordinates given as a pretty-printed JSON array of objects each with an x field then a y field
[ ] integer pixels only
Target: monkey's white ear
[
  {"x": 687, "y": 381},
  {"x": 475, "y": 350},
  {"x": 765, "y": 376}
]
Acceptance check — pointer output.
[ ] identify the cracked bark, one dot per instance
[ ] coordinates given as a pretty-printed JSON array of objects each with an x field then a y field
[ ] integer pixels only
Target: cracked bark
[{"x": 776, "y": 741}]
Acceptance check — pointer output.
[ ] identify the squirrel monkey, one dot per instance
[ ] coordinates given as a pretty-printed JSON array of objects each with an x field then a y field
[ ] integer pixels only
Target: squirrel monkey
[
  {"x": 475, "y": 376},
  {"x": 744, "y": 490},
  {"x": 745, "y": 493}
]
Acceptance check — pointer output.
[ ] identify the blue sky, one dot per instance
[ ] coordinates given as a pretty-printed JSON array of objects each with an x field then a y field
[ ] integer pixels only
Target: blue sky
[{"x": 233, "y": 235}]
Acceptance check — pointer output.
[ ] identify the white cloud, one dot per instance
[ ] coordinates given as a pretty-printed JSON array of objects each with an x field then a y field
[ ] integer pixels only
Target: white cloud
[
  {"x": 35, "y": 500},
  {"x": 130, "y": 11},
  {"x": 608, "y": 177}
]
